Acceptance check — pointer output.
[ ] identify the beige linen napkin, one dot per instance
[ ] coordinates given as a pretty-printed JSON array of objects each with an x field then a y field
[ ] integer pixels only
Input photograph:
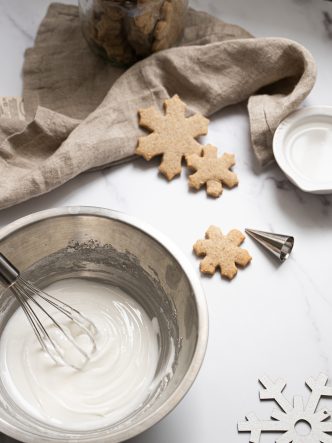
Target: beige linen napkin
[{"x": 81, "y": 113}]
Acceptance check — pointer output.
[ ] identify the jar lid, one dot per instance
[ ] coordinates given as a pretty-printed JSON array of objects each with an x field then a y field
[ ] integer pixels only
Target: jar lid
[{"x": 302, "y": 146}]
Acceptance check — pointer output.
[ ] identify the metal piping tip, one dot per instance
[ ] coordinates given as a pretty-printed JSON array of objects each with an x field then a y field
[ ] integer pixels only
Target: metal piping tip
[{"x": 279, "y": 245}]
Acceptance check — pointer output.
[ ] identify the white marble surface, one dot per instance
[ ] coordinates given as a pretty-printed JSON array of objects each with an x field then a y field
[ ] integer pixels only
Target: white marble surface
[{"x": 271, "y": 319}]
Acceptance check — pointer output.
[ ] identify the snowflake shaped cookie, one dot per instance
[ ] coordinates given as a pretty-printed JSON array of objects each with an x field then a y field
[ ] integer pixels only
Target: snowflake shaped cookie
[
  {"x": 222, "y": 251},
  {"x": 212, "y": 170},
  {"x": 173, "y": 135},
  {"x": 291, "y": 418}
]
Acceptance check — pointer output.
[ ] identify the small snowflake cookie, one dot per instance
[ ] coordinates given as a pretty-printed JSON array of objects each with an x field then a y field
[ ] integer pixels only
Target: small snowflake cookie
[
  {"x": 173, "y": 135},
  {"x": 212, "y": 170},
  {"x": 222, "y": 251}
]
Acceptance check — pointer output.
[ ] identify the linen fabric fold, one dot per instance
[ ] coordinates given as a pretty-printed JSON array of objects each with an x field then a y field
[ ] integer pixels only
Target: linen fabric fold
[{"x": 81, "y": 113}]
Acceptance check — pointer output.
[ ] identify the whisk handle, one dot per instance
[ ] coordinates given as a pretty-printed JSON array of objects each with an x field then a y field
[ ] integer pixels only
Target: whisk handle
[{"x": 8, "y": 272}]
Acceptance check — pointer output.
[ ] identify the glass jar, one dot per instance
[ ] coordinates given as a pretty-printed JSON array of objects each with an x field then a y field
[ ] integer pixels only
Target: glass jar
[{"x": 124, "y": 31}]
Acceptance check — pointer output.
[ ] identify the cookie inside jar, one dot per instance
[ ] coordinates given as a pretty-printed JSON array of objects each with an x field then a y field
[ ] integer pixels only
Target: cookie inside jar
[{"x": 125, "y": 31}]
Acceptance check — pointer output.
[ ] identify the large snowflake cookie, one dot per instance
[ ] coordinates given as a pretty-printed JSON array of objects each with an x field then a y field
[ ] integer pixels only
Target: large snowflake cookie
[
  {"x": 212, "y": 170},
  {"x": 222, "y": 251},
  {"x": 298, "y": 423},
  {"x": 173, "y": 135}
]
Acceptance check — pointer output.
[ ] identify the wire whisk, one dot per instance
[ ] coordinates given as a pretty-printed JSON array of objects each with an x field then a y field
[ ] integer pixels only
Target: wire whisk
[{"x": 59, "y": 333}]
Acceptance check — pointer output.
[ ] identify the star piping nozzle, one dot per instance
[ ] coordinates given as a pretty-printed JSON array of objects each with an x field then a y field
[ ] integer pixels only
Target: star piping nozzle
[{"x": 279, "y": 245}]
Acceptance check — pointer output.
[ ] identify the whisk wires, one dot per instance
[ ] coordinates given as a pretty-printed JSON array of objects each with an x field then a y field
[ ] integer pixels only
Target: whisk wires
[{"x": 31, "y": 299}]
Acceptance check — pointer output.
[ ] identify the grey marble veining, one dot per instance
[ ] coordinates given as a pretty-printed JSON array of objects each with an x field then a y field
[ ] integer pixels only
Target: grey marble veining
[
  {"x": 11, "y": 19},
  {"x": 327, "y": 21}
]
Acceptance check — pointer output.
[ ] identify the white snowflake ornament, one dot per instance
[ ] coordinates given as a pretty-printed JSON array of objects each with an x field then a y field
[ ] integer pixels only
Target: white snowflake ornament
[{"x": 289, "y": 419}]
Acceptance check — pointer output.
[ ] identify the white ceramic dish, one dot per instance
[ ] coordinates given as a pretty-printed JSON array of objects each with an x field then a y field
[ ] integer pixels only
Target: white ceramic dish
[{"x": 302, "y": 147}]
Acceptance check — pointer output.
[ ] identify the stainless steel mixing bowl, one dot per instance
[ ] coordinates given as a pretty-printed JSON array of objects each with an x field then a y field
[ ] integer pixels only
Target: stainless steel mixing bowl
[{"x": 113, "y": 247}]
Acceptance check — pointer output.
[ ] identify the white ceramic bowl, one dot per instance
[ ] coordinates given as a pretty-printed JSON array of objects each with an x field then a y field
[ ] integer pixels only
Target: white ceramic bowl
[{"x": 302, "y": 146}]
